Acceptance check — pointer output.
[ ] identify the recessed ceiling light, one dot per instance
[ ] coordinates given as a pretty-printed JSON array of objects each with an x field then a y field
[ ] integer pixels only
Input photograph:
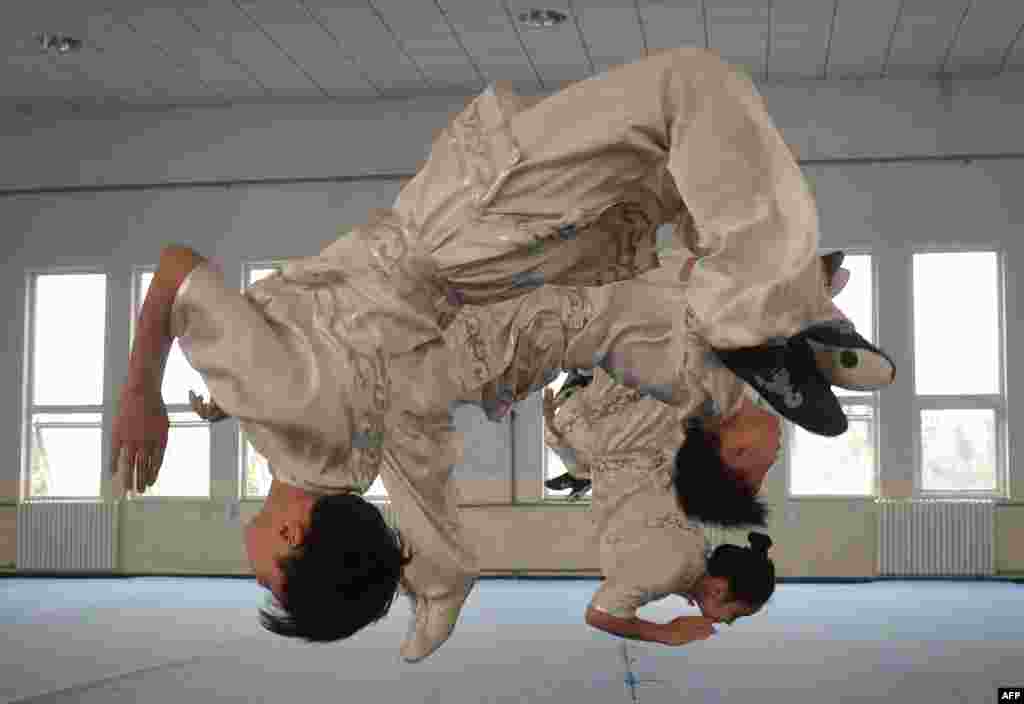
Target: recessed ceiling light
[
  {"x": 542, "y": 18},
  {"x": 58, "y": 43}
]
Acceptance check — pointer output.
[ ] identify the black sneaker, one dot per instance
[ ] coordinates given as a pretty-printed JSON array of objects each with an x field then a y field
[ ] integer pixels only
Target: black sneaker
[
  {"x": 787, "y": 377},
  {"x": 579, "y": 488},
  {"x": 561, "y": 482},
  {"x": 846, "y": 359}
]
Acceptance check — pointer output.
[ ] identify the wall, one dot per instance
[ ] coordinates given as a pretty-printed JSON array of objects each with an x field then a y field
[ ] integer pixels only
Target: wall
[{"x": 891, "y": 208}]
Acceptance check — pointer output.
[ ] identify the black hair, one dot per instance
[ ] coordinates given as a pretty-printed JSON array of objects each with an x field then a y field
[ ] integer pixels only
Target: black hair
[
  {"x": 750, "y": 571},
  {"x": 707, "y": 489},
  {"x": 343, "y": 576}
]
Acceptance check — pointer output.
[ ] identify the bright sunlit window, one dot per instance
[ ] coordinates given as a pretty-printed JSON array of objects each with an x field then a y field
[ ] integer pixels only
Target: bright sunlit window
[
  {"x": 67, "y": 329},
  {"x": 186, "y": 468},
  {"x": 256, "y": 477},
  {"x": 845, "y": 465},
  {"x": 958, "y": 371}
]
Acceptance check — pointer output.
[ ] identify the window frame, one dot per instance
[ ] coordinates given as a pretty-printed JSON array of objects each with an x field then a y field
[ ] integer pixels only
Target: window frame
[
  {"x": 28, "y": 405},
  {"x": 939, "y": 402},
  {"x": 137, "y": 302},
  {"x": 851, "y": 399}
]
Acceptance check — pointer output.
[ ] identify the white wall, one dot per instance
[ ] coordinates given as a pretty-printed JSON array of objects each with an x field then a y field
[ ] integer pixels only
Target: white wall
[{"x": 891, "y": 208}]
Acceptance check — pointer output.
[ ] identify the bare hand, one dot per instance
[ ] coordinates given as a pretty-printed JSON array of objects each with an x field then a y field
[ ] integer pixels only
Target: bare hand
[
  {"x": 139, "y": 439},
  {"x": 686, "y": 629},
  {"x": 207, "y": 411}
]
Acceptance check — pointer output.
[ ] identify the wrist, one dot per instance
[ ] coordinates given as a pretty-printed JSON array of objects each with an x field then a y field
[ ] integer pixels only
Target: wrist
[{"x": 660, "y": 633}]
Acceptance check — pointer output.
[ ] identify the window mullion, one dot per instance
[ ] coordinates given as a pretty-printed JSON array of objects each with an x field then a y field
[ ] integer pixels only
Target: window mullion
[
  {"x": 66, "y": 409},
  {"x": 967, "y": 401}
]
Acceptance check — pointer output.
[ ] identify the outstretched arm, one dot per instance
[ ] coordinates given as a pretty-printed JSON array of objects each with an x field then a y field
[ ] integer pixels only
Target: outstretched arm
[
  {"x": 140, "y": 428},
  {"x": 633, "y": 628},
  {"x": 678, "y": 631}
]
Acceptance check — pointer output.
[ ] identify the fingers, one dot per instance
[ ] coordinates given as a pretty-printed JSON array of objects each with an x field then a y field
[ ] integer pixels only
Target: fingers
[
  {"x": 138, "y": 472},
  {"x": 160, "y": 457},
  {"x": 146, "y": 471},
  {"x": 151, "y": 462}
]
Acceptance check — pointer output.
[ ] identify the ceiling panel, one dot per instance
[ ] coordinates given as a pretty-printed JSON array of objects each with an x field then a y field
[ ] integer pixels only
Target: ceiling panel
[
  {"x": 173, "y": 73},
  {"x": 171, "y": 79},
  {"x": 36, "y": 75},
  {"x": 190, "y": 51},
  {"x": 175, "y": 33},
  {"x": 557, "y": 52},
  {"x": 799, "y": 38},
  {"x": 611, "y": 30},
  {"x": 668, "y": 25},
  {"x": 423, "y": 30},
  {"x": 112, "y": 60},
  {"x": 923, "y": 36},
  {"x": 861, "y": 37},
  {"x": 365, "y": 38},
  {"x": 310, "y": 46},
  {"x": 987, "y": 33},
  {"x": 738, "y": 31},
  {"x": 224, "y": 27},
  {"x": 94, "y": 73},
  {"x": 491, "y": 40}
]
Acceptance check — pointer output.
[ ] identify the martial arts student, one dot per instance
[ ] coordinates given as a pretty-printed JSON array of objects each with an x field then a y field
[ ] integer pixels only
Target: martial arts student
[
  {"x": 658, "y": 480},
  {"x": 836, "y": 279}
]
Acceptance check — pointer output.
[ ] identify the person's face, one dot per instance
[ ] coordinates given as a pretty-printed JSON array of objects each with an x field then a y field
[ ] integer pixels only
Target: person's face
[
  {"x": 715, "y": 603},
  {"x": 269, "y": 537},
  {"x": 750, "y": 445}
]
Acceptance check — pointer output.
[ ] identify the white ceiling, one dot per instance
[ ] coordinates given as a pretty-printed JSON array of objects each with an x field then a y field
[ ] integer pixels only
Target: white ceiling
[{"x": 162, "y": 52}]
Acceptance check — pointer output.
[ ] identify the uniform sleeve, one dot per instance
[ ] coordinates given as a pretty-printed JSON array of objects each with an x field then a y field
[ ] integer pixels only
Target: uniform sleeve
[
  {"x": 619, "y": 599},
  {"x": 417, "y": 464}
]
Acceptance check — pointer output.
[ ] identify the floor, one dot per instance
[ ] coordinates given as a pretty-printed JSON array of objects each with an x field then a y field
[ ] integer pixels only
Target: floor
[{"x": 157, "y": 640}]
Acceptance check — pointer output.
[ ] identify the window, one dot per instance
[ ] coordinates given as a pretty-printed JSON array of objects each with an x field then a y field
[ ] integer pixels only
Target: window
[
  {"x": 846, "y": 465},
  {"x": 958, "y": 371},
  {"x": 553, "y": 465},
  {"x": 186, "y": 468},
  {"x": 255, "y": 468},
  {"x": 67, "y": 315}
]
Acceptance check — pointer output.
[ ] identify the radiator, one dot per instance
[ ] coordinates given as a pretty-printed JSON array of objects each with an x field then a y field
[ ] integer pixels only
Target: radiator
[
  {"x": 936, "y": 538},
  {"x": 73, "y": 536}
]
